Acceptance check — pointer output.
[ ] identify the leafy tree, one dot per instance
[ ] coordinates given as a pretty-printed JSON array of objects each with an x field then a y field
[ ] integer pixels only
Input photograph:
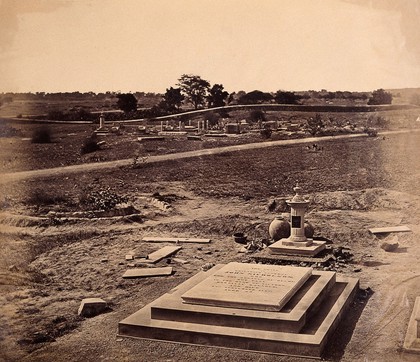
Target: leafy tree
[
  {"x": 257, "y": 115},
  {"x": 315, "y": 124},
  {"x": 173, "y": 98},
  {"x": 283, "y": 97},
  {"x": 127, "y": 102},
  {"x": 213, "y": 118},
  {"x": 194, "y": 88},
  {"x": 255, "y": 97},
  {"x": 217, "y": 96},
  {"x": 379, "y": 96}
]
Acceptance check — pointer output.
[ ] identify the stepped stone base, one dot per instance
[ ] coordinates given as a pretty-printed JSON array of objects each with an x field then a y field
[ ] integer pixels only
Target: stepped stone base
[
  {"x": 412, "y": 338},
  {"x": 285, "y": 247},
  {"x": 300, "y": 328}
]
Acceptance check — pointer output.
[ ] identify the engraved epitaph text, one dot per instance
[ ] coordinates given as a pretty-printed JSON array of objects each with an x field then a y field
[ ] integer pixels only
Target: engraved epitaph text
[{"x": 249, "y": 286}]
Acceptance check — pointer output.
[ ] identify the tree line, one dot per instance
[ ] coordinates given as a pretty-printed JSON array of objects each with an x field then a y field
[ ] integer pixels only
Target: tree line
[
  {"x": 196, "y": 92},
  {"x": 191, "y": 92}
]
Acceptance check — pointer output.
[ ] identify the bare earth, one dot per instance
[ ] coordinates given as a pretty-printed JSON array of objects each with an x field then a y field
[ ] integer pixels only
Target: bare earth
[{"x": 49, "y": 263}]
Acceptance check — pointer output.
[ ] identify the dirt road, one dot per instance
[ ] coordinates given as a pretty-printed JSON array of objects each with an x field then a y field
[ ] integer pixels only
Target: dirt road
[{"x": 17, "y": 176}]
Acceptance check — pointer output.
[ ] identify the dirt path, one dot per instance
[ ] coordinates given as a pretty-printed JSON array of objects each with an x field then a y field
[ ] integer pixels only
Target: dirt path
[{"x": 18, "y": 176}]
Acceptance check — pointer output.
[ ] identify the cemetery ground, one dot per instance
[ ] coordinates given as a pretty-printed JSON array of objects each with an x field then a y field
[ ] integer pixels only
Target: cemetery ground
[{"x": 57, "y": 251}]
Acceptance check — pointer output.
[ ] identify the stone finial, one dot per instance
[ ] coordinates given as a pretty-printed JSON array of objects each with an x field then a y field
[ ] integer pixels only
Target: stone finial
[{"x": 298, "y": 196}]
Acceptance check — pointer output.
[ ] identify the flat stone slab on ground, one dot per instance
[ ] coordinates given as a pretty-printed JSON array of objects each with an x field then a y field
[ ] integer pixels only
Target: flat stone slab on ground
[
  {"x": 152, "y": 239},
  {"x": 391, "y": 229},
  {"x": 90, "y": 307},
  {"x": 249, "y": 286},
  {"x": 161, "y": 253},
  {"x": 147, "y": 272}
]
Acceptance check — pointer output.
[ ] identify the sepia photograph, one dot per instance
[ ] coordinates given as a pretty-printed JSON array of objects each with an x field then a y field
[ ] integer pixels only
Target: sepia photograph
[{"x": 209, "y": 180}]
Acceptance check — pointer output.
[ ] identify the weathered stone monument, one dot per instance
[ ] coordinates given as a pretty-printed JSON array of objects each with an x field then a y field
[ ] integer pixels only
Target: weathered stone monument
[
  {"x": 297, "y": 243},
  {"x": 267, "y": 308}
]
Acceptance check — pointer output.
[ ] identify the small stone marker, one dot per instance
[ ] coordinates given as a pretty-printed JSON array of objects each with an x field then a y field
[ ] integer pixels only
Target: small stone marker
[
  {"x": 161, "y": 253},
  {"x": 90, "y": 307},
  {"x": 129, "y": 257},
  {"x": 249, "y": 286},
  {"x": 153, "y": 239},
  {"x": 392, "y": 229},
  {"x": 147, "y": 272}
]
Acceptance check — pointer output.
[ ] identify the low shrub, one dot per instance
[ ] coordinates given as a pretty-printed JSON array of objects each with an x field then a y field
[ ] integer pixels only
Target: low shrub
[
  {"x": 41, "y": 135},
  {"x": 90, "y": 145},
  {"x": 101, "y": 200},
  {"x": 41, "y": 197},
  {"x": 266, "y": 133}
]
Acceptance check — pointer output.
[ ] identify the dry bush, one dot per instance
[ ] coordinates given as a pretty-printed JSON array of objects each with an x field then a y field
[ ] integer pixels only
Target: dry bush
[
  {"x": 90, "y": 145},
  {"x": 41, "y": 135}
]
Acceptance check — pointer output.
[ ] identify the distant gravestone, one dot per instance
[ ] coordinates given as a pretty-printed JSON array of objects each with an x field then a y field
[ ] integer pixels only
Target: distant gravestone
[{"x": 90, "y": 307}]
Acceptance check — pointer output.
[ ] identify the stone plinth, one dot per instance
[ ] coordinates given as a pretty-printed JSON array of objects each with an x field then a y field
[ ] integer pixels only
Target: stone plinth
[
  {"x": 412, "y": 338},
  {"x": 90, "y": 307},
  {"x": 287, "y": 247},
  {"x": 300, "y": 328},
  {"x": 249, "y": 286}
]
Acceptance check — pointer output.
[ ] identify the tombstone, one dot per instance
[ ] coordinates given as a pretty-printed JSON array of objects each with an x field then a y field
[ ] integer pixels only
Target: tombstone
[
  {"x": 265, "y": 308},
  {"x": 297, "y": 243},
  {"x": 101, "y": 121}
]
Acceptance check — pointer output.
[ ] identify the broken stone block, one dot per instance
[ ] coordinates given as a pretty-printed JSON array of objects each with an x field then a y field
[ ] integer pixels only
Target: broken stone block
[
  {"x": 90, "y": 307},
  {"x": 390, "y": 245}
]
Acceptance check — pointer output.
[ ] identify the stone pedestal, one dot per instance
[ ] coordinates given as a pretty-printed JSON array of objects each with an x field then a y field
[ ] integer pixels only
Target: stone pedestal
[
  {"x": 297, "y": 243},
  {"x": 266, "y": 308}
]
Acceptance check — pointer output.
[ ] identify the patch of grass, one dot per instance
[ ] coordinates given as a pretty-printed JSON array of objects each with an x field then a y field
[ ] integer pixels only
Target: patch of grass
[
  {"x": 8, "y": 131},
  {"x": 41, "y": 197}
]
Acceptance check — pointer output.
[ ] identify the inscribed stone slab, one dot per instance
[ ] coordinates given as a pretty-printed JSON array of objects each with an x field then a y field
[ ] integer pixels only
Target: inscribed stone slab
[
  {"x": 147, "y": 272},
  {"x": 249, "y": 286}
]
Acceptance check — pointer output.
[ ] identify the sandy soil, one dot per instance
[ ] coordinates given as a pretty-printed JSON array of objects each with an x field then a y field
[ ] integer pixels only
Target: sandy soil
[{"x": 49, "y": 264}]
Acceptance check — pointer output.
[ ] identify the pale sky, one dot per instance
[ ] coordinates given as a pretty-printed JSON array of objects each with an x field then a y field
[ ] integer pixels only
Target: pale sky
[{"x": 146, "y": 45}]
